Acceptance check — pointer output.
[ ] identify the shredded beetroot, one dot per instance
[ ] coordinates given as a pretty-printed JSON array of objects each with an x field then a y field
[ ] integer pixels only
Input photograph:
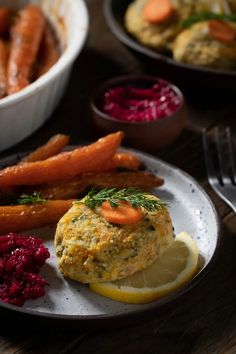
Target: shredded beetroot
[
  {"x": 130, "y": 103},
  {"x": 21, "y": 258}
]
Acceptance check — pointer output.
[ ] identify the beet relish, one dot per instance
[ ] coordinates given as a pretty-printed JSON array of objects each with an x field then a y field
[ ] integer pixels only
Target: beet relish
[
  {"x": 21, "y": 258},
  {"x": 135, "y": 104}
]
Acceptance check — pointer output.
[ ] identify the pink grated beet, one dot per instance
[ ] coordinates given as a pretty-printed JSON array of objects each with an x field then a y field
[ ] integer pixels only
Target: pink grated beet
[
  {"x": 21, "y": 258},
  {"x": 135, "y": 104}
]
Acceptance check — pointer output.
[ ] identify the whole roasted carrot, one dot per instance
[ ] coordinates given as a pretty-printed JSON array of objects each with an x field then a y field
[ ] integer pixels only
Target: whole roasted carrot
[
  {"x": 25, "y": 217},
  {"x": 3, "y": 69},
  {"x": 64, "y": 190},
  {"x": 73, "y": 188},
  {"x": 4, "y": 20},
  {"x": 138, "y": 179},
  {"x": 26, "y": 37},
  {"x": 59, "y": 141},
  {"x": 63, "y": 166},
  {"x": 51, "y": 148},
  {"x": 48, "y": 52}
]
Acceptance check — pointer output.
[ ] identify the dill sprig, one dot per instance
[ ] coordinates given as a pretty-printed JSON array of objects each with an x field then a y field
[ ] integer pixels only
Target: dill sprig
[
  {"x": 205, "y": 16},
  {"x": 135, "y": 197},
  {"x": 34, "y": 198}
]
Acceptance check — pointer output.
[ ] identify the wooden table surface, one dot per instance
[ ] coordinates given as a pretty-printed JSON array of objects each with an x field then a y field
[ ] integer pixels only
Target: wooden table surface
[{"x": 206, "y": 321}]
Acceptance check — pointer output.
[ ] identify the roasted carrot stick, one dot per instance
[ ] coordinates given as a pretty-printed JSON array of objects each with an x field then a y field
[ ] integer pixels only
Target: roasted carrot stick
[
  {"x": 126, "y": 160},
  {"x": 73, "y": 188},
  {"x": 3, "y": 69},
  {"x": 221, "y": 31},
  {"x": 25, "y": 217},
  {"x": 51, "y": 148},
  {"x": 26, "y": 37},
  {"x": 4, "y": 20},
  {"x": 65, "y": 190},
  {"x": 157, "y": 11},
  {"x": 58, "y": 142},
  {"x": 124, "y": 214},
  {"x": 48, "y": 52},
  {"x": 138, "y": 179},
  {"x": 63, "y": 166}
]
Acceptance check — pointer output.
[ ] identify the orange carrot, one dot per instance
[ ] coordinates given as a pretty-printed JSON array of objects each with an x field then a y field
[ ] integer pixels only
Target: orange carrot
[
  {"x": 119, "y": 180},
  {"x": 221, "y": 31},
  {"x": 63, "y": 166},
  {"x": 3, "y": 69},
  {"x": 4, "y": 20},
  {"x": 157, "y": 11},
  {"x": 26, "y": 37},
  {"x": 126, "y": 160},
  {"x": 63, "y": 190},
  {"x": 48, "y": 52},
  {"x": 25, "y": 217},
  {"x": 51, "y": 148},
  {"x": 124, "y": 214}
]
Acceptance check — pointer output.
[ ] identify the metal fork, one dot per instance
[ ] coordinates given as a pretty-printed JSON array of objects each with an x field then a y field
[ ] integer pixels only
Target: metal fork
[{"x": 221, "y": 171}]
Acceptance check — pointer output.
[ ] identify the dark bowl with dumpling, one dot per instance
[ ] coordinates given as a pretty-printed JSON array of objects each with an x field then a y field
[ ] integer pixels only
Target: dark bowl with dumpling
[{"x": 162, "y": 63}]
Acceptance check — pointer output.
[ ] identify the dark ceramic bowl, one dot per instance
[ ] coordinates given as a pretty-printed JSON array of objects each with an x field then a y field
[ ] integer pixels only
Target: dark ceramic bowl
[
  {"x": 186, "y": 75},
  {"x": 147, "y": 136}
]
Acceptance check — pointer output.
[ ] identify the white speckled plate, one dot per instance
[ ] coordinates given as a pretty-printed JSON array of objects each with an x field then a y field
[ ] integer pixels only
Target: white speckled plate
[{"x": 191, "y": 210}]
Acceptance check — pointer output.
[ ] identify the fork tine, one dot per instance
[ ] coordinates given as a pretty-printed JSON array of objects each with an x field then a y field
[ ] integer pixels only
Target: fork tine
[
  {"x": 211, "y": 172},
  {"x": 219, "y": 147},
  {"x": 231, "y": 153}
]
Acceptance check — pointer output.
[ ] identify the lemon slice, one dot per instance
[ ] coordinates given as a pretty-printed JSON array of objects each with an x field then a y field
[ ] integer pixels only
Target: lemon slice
[{"x": 171, "y": 270}]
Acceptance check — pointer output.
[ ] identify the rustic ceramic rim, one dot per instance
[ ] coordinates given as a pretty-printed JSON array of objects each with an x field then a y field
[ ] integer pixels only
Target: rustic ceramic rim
[{"x": 147, "y": 309}]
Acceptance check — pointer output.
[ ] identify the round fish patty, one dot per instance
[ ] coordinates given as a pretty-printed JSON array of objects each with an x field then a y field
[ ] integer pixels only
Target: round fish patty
[
  {"x": 158, "y": 36},
  {"x": 196, "y": 46},
  {"x": 91, "y": 249}
]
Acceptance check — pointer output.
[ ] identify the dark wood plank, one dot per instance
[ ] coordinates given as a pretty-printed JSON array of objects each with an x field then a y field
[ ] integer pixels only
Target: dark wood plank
[
  {"x": 203, "y": 323},
  {"x": 49, "y": 341}
]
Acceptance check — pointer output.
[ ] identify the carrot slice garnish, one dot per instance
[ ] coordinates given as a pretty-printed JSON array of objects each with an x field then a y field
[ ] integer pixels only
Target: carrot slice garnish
[
  {"x": 122, "y": 214},
  {"x": 157, "y": 11},
  {"x": 221, "y": 31}
]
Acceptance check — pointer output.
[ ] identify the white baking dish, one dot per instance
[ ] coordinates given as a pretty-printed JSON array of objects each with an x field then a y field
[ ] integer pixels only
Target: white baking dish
[{"x": 24, "y": 112}]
